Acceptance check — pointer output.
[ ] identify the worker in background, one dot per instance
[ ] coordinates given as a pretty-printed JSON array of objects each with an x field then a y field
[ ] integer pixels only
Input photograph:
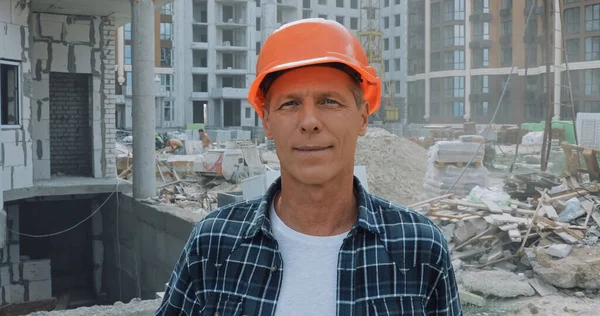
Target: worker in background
[
  {"x": 175, "y": 146},
  {"x": 316, "y": 243},
  {"x": 206, "y": 142}
]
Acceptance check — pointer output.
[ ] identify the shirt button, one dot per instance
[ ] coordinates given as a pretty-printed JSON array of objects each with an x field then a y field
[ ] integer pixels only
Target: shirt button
[{"x": 274, "y": 268}]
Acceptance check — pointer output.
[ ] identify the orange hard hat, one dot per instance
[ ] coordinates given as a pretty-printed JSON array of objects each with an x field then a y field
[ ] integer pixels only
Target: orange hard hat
[{"x": 313, "y": 42}]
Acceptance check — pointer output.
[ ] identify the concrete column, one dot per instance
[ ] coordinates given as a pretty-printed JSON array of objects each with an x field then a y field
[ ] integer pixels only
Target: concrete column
[
  {"x": 468, "y": 10},
  {"x": 427, "y": 56},
  {"x": 558, "y": 56},
  {"x": 143, "y": 97}
]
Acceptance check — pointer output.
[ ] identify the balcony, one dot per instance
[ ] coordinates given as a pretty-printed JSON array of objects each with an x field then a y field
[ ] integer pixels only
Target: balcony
[
  {"x": 199, "y": 70},
  {"x": 538, "y": 10},
  {"x": 230, "y": 71},
  {"x": 480, "y": 43},
  {"x": 478, "y": 97},
  {"x": 286, "y": 5},
  {"x": 199, "y": 45},
  {"x": 480, "y": 17},
  {"x": 229, "y": 46},
  {"x": 229, "y": 93},
  {"x": 506, "y": 13},
  {"x": 199, "y": 95},
  {"x": 506, "y": 40},
  {"x": 529, "y": 38},
  {"x": 231, "y": 23}
]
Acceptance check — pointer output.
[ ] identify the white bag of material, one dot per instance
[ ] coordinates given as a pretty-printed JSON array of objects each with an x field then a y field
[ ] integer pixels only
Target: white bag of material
[{"x": 533, "y": 138}]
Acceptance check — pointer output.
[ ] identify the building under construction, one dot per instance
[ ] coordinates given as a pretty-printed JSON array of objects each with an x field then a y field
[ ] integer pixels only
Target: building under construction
[{"x": 460, "y": 54}]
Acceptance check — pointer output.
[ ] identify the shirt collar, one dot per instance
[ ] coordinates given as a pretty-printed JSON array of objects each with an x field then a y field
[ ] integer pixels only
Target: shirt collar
[{"x": 368, "y": 218}]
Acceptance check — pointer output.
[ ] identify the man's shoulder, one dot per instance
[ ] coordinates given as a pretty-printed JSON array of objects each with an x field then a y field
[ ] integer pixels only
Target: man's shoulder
[
  {"x": 408, "y": 231},
  {"x": 230, "y": 219},
  {"x": 227, "y": 225}
]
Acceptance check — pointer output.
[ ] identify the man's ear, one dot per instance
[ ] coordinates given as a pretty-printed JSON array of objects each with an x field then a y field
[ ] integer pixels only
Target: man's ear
[
  {"x": 364, "y": 118},
  {"x": 266, "y": 124}
]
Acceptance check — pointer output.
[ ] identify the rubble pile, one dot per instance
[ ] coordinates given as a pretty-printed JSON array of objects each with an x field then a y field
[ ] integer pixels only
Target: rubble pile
[
  {"x": 446, "y": 161},
  {"x": 504, "y": 247},
  {"x": 395, "y": 165}
]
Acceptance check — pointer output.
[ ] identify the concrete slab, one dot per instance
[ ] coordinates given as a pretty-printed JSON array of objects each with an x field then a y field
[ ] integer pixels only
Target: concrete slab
[
  {"x": 5, "y": 14},
  {"x": 22, "y": 177},
  {"x": 67, "y": 186},
  {"x": 19, "y": 16},
  {"x": 78, "y": 32},
  {"x": 60, "y": 58}
]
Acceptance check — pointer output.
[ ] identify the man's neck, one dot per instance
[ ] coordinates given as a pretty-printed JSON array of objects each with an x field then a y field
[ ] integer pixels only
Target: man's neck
[{"x": 325, "y": 210}]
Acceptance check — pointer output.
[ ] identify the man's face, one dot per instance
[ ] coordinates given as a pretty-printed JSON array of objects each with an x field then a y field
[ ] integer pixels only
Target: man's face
[
  {"x": 201, "y": 134},
  {"x": 314, "y": 120}
]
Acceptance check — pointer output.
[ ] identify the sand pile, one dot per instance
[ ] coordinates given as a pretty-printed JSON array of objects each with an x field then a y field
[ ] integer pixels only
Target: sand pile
[{"x": 395, "y": 166}]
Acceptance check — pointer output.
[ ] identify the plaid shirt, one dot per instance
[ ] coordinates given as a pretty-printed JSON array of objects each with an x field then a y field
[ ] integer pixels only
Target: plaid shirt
[{"x": 393, "y": 262}]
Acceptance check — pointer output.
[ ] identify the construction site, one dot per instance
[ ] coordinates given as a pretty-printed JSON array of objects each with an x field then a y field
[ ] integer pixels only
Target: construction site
[{"x": 93, "y": 220}]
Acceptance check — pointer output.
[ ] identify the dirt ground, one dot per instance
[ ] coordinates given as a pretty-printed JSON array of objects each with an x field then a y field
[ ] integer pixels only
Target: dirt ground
[{"x": 553, "y": 305}]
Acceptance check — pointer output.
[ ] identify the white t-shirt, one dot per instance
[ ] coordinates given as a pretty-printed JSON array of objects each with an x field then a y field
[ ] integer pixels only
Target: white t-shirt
[{"x": 309, "y": 285}]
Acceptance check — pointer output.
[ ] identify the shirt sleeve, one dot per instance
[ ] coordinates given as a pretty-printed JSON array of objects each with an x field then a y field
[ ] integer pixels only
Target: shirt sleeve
[
  {"x": 443, "y": 297},
  {"x": 180, "y": 297}
]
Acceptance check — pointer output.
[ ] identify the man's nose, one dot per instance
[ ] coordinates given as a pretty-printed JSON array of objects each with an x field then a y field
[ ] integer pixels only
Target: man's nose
[{"x": 309, "y": 117}]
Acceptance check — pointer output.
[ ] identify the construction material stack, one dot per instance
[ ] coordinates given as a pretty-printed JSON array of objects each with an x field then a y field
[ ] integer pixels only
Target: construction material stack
[{"x": 446, "y": 161}]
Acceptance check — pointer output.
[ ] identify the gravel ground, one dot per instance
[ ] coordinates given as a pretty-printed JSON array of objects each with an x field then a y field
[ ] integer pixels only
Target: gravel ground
[{"x": 136, "y": 307}]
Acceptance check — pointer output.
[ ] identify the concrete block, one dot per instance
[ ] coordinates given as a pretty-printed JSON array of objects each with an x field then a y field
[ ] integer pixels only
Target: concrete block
[
  {"x": 60, "y": 58},
  {"x": 14, "y": 253},
  {"x": 51, "y": 28},
  {"x": 559, "y": 250},
  {"x": 77, "y": 33},
  {"x": 96, "y": 82},
  {"x": 17, "y": 293},
  {"x": 23, "y": 177},
  {"x": 41, "y": 169},
  {"x": 5, "y": 13},
  {"x": 41, "y": 130},
  {"x": 6, "y": 291},
  {"x": 19, "y": 16},
  {"x": 40, "y": 51},
  {"x": 52, "y": 18},
  {"x": 16, "y": 272},
  {"x": 40, "y": 290},
  {"x": 83, "y": 56},
  {"x": 5, "y": 275},
  {"x": 12, "y": 37},
  {"x": 14, "y": 155},
  {"x": 36, "y": 270},
  {"x": 13, "y": 215}
]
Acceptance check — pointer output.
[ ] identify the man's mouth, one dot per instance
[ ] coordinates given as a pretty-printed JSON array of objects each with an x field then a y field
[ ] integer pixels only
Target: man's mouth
[{"x": 311, "y": 148}]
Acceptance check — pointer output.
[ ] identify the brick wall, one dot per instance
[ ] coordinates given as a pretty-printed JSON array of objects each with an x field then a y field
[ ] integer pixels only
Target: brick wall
[{"x": 70, "y": 139}]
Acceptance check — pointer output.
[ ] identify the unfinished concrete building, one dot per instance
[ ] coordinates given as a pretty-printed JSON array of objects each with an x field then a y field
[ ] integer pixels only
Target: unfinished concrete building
[{"x": 66, "y": 230}]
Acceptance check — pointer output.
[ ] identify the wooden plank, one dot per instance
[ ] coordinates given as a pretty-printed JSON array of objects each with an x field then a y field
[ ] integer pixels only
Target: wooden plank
[
  {"x": 550, "y": 211},
  {"x": 591, "y": 163}
]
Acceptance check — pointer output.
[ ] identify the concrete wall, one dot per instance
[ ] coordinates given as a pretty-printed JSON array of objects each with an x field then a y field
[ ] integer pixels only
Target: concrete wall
[
  {"x": 74, "y": 44},
  {"x": 142, "y": 244}
]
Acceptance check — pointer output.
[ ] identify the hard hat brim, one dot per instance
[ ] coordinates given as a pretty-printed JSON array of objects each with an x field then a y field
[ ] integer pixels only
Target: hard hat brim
[{"x": 370, "y": 85}]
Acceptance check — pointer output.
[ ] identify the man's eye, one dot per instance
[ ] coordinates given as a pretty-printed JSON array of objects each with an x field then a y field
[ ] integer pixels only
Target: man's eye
[
  {"x": 330, "y": 102},
  {"x": 289, "y": 103}
]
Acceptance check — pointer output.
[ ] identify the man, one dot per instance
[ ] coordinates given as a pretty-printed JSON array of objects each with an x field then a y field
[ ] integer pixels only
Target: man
[
  {"x": 175, "y": 146},
  {"x": 205, "y": 139},
  {"x": 317, "y": 243}
]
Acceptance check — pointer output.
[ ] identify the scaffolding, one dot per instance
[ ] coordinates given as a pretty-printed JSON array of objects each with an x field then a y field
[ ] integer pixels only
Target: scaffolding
[{"x": 370, "y": 36}]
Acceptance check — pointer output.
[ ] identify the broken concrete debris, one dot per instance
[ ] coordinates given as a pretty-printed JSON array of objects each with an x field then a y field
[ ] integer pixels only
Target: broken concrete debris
[{"x": 535, "y": 234}]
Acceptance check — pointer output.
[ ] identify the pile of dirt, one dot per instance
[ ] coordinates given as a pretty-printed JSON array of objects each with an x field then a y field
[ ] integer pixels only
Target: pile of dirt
[{"x": 395, "y": 166}]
